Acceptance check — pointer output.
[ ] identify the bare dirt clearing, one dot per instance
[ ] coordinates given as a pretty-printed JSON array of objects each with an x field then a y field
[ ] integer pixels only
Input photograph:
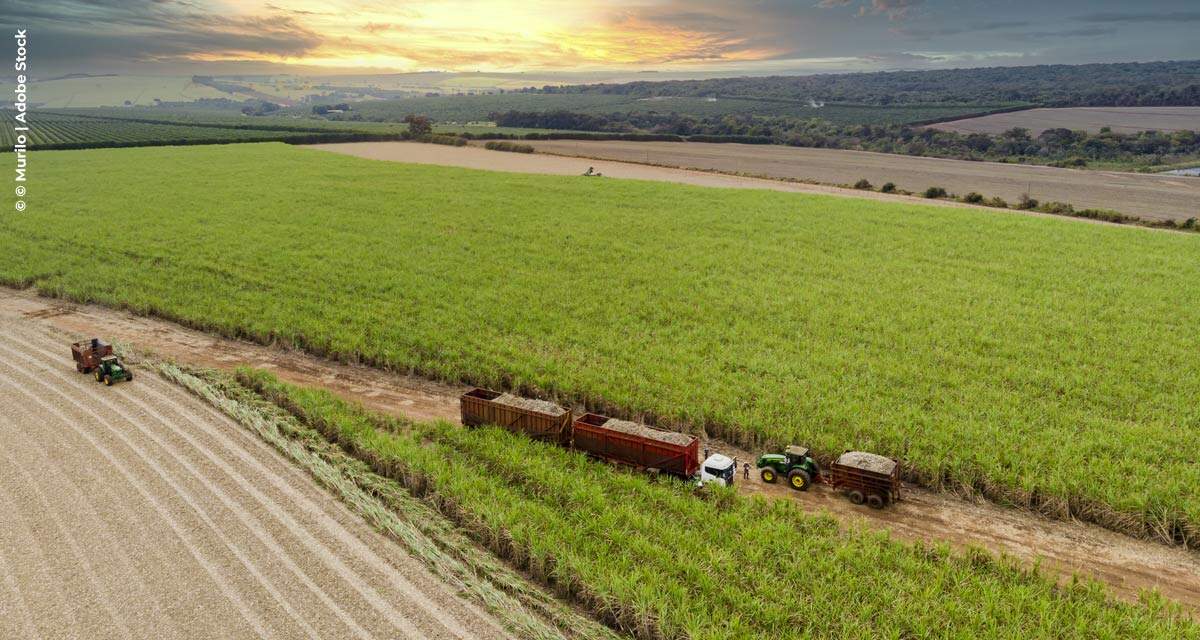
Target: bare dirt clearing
[
  {"x": 1128, "y": 565},
  {"x": 1149, "y": 196},
  {"x": 137, "y": 511},
  {"x": 1091, "y": 119}
]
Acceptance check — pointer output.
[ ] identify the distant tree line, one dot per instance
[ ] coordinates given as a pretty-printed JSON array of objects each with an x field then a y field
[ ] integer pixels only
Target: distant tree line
[
  {"x": 1122, "y": 84},
  {"x": 1052, "y": 146}
]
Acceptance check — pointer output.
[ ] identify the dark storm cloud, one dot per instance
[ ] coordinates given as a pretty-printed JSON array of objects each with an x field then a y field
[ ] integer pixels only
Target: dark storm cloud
[
  {"x": 124, "y": 31},
  {"x": 933, "y": 32}
]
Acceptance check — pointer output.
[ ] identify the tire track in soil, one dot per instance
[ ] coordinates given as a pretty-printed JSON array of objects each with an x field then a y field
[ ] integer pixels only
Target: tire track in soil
[
  {"x": 191, "y": 542},
  {"x": 1126, "y": 564},
  {"x": 109, "y": 408},
  {"x": 112, "y": 584},
  {"x": 114, "y": 408},
  {"x": 367, "y": 559},
  {"x": 288, "y": 524},
  {"x": 93, "y": 493}
]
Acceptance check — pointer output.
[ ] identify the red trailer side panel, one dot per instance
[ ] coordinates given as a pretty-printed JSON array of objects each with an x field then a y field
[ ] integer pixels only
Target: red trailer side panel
[
  {"x": 638, "y": 445},
  {"x": 537, "y": 419}
]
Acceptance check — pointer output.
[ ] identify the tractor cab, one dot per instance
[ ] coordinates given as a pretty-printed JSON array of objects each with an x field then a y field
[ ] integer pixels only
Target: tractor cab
[
  {"x": 794, "y": 463},
  {"x": 111, "y": 370}
]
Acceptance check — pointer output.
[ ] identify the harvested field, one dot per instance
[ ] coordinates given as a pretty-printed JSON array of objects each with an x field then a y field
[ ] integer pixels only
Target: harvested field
[
  {"x": 1091, "y": 119},
  {"x": 1149, "y": 196},
  {"x": 138, "y": 511},
  {"x": 1129, "y": 566}
]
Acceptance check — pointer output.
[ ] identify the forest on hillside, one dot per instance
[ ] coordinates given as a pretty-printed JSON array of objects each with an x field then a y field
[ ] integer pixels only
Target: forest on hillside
[{"x": 1100, "y": 85}]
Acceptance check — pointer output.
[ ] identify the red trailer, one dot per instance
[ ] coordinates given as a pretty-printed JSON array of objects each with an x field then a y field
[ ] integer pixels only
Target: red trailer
[
  {"x": 866, "y": 477},
  {"x": 87, "y": 354},
  {"x": 537, "y": 419},
  {"x": 637, "y": 444}
]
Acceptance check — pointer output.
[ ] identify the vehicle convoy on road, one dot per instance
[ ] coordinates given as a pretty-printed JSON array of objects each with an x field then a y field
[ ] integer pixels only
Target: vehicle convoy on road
[
  {"x": 866, "y": 477},
  {"x": 622, "y": 441},
  {"x": 794, "y": 463},
  {"x": 96, "y": 356}
]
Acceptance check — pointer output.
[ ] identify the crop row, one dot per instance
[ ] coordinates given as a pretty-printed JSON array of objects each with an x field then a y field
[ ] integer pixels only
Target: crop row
[
  {"x": 654, "y": 560},
  {"x": 51, "y": 130},
  {"x": 1041, "y": 362}
]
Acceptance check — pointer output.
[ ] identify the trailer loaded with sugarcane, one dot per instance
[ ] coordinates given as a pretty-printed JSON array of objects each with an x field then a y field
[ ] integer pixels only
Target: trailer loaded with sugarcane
[
  {"x": 621, "y": 441},
  {"x": 865, "y": 477}
]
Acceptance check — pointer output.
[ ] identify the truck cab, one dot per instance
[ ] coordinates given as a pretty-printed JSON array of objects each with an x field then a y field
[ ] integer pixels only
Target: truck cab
[{"x": 717, "y": 469}]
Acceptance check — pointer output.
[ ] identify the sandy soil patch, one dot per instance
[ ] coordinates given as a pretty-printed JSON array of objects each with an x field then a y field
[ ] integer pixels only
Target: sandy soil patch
[
  {"x": 1127, "y": 564},
  {"x": 137, "y": 511}
]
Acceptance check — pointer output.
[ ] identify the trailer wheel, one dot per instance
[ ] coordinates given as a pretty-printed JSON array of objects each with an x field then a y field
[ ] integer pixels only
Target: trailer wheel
[
  {"x": 800, "y": 480},
  {"x": 856, "y": 496},
  {"x": 108, "y": 381},
  {"x": 129, "y": 377},
  {"x": 768, "y": 475},
  {"x": 875, "y": 501}
]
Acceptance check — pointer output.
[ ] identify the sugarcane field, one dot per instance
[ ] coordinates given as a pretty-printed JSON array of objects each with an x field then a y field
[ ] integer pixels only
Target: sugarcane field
[{"x": 607, "y": 321}]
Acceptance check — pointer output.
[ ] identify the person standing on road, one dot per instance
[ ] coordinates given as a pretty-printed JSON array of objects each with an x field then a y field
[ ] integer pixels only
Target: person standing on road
[{"x": 745, "y": 471}]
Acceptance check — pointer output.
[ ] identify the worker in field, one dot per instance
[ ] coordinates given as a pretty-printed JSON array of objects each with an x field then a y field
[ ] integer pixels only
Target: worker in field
[{"x": 745, "y": 471}]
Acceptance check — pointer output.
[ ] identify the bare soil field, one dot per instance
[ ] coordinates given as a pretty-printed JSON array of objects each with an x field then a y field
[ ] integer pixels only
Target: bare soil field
[
  {"x": 137, "y": 511},
  {"x": 1149, "y": 196},
  {"x": 1091, "y": 119},
  {"x": 1128, "y": 565},
  {"x": 1157, "y": 197}
]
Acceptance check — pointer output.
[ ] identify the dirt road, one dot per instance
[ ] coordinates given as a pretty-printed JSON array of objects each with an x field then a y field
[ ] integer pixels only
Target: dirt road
[
  {"x": 1128, "y": 565},
  {"x": 1091, "y": 119},
  {"x": 1149, "y": 196},
  {"x": 475, "y": 157},
  {"x": 138, "y": 512}
]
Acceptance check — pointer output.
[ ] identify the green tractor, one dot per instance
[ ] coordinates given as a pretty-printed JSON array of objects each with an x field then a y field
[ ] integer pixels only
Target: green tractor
[
  {"x": 794, "y": 464},
  {"x": 111, "y": 370}
]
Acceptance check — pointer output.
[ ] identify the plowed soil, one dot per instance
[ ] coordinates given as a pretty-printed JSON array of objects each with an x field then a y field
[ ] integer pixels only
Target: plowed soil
[
  {"x": 1127, "y": 564},
  {"x": 136, "y": 511}
]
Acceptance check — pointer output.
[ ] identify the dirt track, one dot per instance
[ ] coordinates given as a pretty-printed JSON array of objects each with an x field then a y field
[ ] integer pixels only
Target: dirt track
[
  {"x": 138, "y": 512},
  {"x": 1128, "y": 565},
  {"x": 1092, "y": 119}
]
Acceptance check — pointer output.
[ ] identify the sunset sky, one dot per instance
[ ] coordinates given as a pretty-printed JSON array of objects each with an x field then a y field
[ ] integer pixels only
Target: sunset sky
[{"x": 376, "y": 35}]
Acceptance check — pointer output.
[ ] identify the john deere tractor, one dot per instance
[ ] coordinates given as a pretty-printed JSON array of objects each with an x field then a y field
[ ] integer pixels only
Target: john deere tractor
[
  {"x": 112, "y": 370},
  {"x": 794, "y": 464}
]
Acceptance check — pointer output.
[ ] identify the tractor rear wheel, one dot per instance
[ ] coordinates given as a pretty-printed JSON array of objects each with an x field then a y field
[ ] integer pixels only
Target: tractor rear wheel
[
  {"x": 99, "y": 377},
  {"x": 129, "y": 378},
  {"x": 875, "y": 501},
  {"x": 856, "y": 496},
  {"x": 107, "y": 380},
  {"x": 768, "y": 475},
  {"x": 800, "y": 480}
]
